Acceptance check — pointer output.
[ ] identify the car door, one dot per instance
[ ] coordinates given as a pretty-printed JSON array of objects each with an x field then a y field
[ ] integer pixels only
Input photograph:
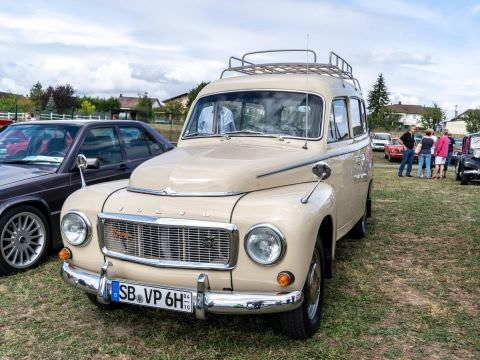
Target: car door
[
  {"x": 102, "y": 143},
  {"x": 138, "y": 144},
  {"x": 362, "y": 156},
  {"x": 341, "y": 161}
]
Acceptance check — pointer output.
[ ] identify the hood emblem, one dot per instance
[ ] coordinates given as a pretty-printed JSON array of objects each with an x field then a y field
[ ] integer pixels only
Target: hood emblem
[
  {"x": 166, "y": 191},
  {"x": 208, "y": 242}
]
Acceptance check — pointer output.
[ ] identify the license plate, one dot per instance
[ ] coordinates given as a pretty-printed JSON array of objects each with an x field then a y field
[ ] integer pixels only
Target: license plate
[{"x": 163, "y": 298}]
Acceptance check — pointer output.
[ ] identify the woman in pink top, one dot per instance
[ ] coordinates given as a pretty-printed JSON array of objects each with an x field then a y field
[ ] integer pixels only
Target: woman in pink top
[{"x": 441, "y": 152}]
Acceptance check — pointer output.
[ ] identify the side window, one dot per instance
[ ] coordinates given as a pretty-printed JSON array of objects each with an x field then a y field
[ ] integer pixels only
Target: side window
[
  {"x": 138, "y": 143},
  {"x": 338, "y": 122},
  {"x": 358, "y": 120},
  {"x": 102, "y": 143},
  {"x": 364, "y": 117}
]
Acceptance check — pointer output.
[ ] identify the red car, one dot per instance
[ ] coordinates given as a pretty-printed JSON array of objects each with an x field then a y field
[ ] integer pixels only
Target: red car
[{"x": 393, "y": 151}]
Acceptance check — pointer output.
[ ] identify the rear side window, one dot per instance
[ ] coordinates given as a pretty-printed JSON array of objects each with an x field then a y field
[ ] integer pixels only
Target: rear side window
[
  {"x": 138, "y": 143},
  {"x": 338, "y": 122},
  {"x": 358, "y": 117}
]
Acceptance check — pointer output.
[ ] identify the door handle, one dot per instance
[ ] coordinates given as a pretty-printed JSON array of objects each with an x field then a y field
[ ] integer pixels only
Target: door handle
[{"x": 123, "y": 167}]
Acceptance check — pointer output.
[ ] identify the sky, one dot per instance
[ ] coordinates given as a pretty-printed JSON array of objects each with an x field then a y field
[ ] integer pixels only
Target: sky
[{"x": 428, "y": 51}]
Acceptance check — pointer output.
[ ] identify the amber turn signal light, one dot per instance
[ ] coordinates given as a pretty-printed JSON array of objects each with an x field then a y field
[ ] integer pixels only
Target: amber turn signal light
[
  {"x": 65, "y": 254},
  {"x": 285, "y": 278}
]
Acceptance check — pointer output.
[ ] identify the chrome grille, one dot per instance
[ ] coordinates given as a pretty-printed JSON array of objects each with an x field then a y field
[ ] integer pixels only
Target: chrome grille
[{"x": 168, "y": 242}]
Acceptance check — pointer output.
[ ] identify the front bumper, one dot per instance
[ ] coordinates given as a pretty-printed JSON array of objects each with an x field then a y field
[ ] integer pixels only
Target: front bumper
[
  {"x": 205, "y": 300},
  {"x": 475, "y": 172}
]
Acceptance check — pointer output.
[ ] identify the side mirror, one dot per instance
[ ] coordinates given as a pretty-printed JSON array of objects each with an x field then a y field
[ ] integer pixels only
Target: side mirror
[
  {"x": 83, "y": 163},
  {"x": 322, "y": 170}
]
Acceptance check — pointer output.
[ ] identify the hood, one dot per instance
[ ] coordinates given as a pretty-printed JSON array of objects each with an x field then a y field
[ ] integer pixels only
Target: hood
[
  {"x": 226, "y": 167},
  {"x": 10, "y": 174}
]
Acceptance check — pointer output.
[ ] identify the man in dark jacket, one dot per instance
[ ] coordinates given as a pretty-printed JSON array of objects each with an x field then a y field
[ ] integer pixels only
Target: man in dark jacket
[{"x": 408, "y": 142}]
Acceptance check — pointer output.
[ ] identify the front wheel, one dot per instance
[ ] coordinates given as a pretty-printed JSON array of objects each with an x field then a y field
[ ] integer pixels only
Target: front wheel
[
  {"x": 24, "y": 239},
  {"x": 304, "y": 321},
  {"x": 463, "y": 177}
]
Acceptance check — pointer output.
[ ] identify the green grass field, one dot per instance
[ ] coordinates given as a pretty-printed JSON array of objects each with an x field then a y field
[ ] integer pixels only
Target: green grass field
[{"x": 410, "y": 290}]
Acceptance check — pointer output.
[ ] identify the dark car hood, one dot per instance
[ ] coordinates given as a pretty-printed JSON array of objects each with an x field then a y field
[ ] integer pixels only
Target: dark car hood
[{"x": 10, "y": 174}]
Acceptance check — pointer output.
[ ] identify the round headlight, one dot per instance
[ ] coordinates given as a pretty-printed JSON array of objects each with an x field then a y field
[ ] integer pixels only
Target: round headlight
[
  {"x": 265, "y": 244},
  {"x": 476, "y": 153},
  {"x": 75, "y": 228}
]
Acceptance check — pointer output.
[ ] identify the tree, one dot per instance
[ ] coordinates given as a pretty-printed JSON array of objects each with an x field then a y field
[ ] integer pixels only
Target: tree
[
  {"x": 63, "y": 97},
  {"x": 12, "y": 103},
  {"x": 36, "y": 93},
  {"x": 86, "y": 108},
  {"x": 472, "y": 120},
  {"x": 432, "y": 116},
  {"x": 144, "y": 105},
  {"x": 50, "y": 107},
  {"x": 378, "y": 113},
  {"x": 192, "y": 94}
]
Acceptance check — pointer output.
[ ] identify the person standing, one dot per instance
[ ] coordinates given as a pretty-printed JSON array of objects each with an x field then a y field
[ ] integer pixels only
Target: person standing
[
  {"x": 441, "y": 152},
  {"x": 425, "y": 155},
  {"x": 408, "y": 142},
  {"x": 451, "y": 141}
]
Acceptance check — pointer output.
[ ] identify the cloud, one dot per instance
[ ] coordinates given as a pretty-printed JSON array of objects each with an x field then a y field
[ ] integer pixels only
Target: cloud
[
  {"x": 398, "y": 8},
  {"x": 401, "y": 57},
  {"x": 476, "y": 10}
]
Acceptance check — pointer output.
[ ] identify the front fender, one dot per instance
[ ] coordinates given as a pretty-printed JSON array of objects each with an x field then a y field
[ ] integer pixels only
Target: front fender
[
  {"x": 298, "y": 222},
  {"x": 90, "y": 201}
]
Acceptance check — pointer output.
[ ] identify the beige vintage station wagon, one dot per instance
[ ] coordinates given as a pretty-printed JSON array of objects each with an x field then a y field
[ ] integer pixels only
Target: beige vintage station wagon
[{"x": 271, "y": 169}]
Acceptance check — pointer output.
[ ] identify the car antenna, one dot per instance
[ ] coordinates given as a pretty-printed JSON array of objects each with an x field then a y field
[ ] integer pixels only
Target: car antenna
[{"x": 305, "y": 146}]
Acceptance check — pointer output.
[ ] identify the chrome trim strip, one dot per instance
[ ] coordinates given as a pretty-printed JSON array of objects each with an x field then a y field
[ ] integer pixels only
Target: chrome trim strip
[
  {"x": 163, "y": 192},
  {"x": 152, "y": 220},
  {"x": 334, "y": 153},
  {"x": 217, "y": 302}
]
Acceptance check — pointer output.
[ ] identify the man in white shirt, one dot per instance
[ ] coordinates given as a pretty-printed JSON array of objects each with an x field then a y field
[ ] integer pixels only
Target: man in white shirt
[{"x": 205, "y": 120}]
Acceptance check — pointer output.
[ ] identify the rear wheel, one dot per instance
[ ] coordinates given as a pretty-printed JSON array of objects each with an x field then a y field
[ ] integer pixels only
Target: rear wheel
[
  {"x": 359, "y": 231},
  {"x": 304, "y": 321},
  {"x": 24, "y": 239}
]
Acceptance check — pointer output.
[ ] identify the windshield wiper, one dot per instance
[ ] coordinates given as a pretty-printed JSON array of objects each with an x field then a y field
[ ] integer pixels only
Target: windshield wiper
[{"x": 244, "y": 132}]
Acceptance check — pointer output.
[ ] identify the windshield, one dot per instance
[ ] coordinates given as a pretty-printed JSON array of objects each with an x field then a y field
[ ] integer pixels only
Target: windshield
[
  {"x": 44, "y": 144},
  {"x": 395, "y": 142},
  {"x": 256, "y": 113},
  {"x": 382, "y": 137},
  {"x": 475, "y": 142}
]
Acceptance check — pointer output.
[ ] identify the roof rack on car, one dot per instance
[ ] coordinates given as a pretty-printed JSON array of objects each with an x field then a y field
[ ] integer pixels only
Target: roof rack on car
[{"x": 337, "y": 66}]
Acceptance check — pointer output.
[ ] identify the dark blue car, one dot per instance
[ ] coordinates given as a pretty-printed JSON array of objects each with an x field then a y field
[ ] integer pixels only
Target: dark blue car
[{"x": 38, "y": 172}]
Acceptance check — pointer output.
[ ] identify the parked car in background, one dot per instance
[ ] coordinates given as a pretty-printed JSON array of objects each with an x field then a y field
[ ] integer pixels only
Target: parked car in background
[
  {"x": 271, "y": 170},
  {"x": 379, "y": 140},
  {"x": 393, "y": 150},
  {"x": 468, "y": 162},
  {"x": 5, "y": 122},
  {"x": 38, "y": 172}
]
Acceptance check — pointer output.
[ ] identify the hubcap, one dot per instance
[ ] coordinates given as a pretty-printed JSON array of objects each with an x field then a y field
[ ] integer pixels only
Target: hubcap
[
  {"x": 313, "y": 285},
  {"x": 22, "y": 240}
]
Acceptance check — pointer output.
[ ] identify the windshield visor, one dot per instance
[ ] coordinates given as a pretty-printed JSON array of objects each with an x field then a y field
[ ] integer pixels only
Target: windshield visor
[{"x": 257, "y": 113}]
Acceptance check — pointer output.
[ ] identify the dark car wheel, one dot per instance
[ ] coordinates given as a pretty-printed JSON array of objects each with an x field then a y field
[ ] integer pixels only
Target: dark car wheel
[
  {"x": 463, "y": 177},
  {"x": 24, "y": 239},
  {"x": 457, "y": 172},
  {"x": 304, "y": 321}
]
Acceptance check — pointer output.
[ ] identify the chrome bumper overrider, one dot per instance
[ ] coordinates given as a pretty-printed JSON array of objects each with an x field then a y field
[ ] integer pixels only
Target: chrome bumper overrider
[{"x": 205, "y": 300}]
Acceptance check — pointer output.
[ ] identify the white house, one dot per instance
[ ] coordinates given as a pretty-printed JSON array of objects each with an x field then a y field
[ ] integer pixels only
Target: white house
[
  {"x": 456, "y": 125},
  {"x": 409, "y": 114}
]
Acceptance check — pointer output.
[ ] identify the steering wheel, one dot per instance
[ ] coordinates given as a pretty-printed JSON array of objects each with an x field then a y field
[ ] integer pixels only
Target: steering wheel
[{"x": 56, "y": 153}]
